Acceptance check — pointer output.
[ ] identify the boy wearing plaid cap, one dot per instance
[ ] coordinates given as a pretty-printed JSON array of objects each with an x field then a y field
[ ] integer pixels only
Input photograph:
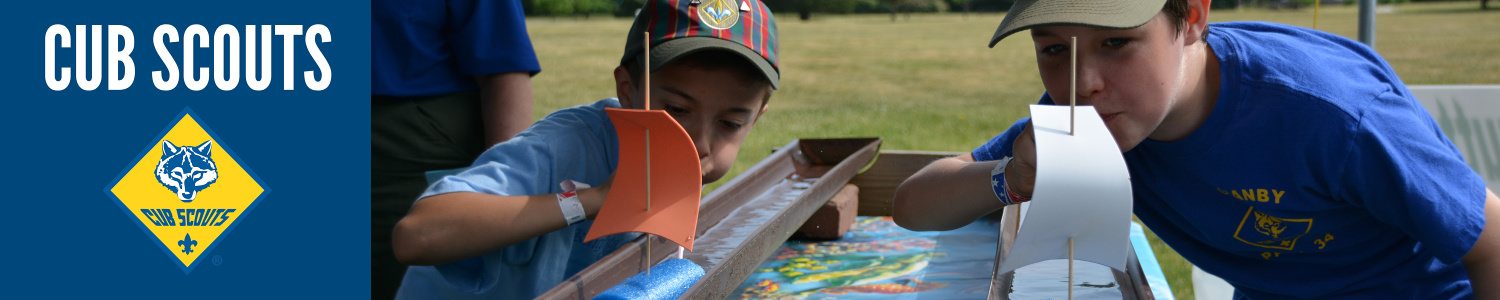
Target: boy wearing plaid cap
[
  {"x": 497, "y": 230},
  {"x": 1290, "y": 162}
]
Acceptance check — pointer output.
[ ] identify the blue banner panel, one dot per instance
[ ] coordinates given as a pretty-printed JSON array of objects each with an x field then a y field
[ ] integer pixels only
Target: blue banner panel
[{"x": 152, "y": 151}]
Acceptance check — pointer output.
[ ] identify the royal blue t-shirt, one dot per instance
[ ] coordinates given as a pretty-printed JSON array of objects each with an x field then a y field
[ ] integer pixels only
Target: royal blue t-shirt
[
  {"x": 577, "y": 143},
  {"x": 1317, "y": 175},
  {"x": 431, "y": 47}
]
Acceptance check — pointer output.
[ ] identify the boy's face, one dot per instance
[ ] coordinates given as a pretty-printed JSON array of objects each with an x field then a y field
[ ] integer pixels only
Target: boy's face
[
  {"x": 1133, "y": 77},
  {"x": 716, "y": 106}
]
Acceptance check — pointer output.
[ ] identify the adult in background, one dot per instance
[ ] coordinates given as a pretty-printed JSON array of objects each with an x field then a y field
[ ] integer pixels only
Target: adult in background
[{"x": 449, "y": 78}]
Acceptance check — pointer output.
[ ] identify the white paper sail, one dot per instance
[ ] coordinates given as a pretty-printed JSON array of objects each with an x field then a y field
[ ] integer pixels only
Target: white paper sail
[{"x": 1082, "y": 192}]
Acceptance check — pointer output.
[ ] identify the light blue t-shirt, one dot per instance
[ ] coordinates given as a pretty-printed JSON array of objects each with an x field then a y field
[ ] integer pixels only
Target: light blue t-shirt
[
  {"x": 1317, "y": 175},
  {"x": 577, "y": 143}
]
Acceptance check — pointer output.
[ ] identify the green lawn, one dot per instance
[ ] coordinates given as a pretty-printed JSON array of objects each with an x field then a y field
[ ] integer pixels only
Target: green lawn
[{"x": 929, "y": 82}]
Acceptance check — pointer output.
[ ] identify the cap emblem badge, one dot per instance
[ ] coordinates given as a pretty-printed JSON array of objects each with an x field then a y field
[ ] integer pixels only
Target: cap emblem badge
[{"x": 719, "y": 14}]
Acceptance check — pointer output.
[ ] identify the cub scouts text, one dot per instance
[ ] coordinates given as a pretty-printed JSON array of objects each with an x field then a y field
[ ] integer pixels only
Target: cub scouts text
[{"x": 177, "y": 48}]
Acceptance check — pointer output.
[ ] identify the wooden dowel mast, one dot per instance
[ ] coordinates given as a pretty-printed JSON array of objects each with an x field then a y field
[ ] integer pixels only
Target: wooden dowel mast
[
  {"x": 1072, "y": 94},
  {"x": 648, "y": 264},
  {"x": 647, "y": 72},
  {"x": 648, "y": 130},
  {"x": 647, "y": 101},
  {"x": 1070, "y": 268}
]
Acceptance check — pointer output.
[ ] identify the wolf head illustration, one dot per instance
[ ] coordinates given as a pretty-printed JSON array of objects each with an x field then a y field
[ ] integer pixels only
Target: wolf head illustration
[
  {"x": 186, "y": 170},
  {"x": 1269, "y": 225}
]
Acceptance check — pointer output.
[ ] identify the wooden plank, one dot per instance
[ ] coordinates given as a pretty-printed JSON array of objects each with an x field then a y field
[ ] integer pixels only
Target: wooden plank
[
  {"x": 716, "y": 207},
  {"x": 725, "y": 271},
  {"x": 832, "y": 220},
  {"x": 877, "y": 185}
]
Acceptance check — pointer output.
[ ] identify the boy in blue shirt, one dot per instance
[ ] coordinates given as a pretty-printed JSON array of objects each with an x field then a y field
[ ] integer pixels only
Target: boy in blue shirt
[
  {"x": 1290, "y": 162},
  {"x": 498, "y": 230}
]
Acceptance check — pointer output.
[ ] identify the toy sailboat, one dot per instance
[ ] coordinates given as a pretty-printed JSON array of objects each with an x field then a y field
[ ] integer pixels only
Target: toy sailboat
[
  {"x": 1082, "y": 197},
  {"x": 658, "y": 183},
  {"x": 1082, "y": 194}
]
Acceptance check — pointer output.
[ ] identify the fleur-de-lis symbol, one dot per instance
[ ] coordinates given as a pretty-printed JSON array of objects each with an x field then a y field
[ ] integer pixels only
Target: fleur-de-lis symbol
[
  {"x": 187, "y": 244},
  {"x": 719, "y": 14}
]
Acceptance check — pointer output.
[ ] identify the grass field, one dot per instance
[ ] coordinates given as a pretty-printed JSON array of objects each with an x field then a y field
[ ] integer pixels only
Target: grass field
[{"x": 929, "y": 82}]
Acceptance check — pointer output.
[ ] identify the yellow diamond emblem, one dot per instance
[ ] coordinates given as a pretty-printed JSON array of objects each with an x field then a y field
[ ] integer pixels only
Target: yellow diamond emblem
[{"x": 186, "y": 190}]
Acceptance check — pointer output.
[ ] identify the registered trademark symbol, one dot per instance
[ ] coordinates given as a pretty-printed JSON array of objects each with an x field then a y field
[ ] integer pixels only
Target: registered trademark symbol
[{"x": 218, "y": 260}]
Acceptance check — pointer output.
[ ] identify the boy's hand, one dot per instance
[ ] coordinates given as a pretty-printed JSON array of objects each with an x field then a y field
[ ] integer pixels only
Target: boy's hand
[
  {"x": 593, "y": 198},
  {"x": 952, "y": 192},
  {"x": 1020, "y": 175}
]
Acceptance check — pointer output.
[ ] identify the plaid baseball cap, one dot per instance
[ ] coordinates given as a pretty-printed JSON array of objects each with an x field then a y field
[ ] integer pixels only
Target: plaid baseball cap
[
  {"x": 1112, "y": 14},
  {"x": 682, "y": 27}
]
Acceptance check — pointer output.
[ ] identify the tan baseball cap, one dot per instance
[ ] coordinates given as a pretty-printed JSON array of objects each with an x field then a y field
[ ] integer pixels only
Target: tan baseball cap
[{"x": 1112, "y": 14}]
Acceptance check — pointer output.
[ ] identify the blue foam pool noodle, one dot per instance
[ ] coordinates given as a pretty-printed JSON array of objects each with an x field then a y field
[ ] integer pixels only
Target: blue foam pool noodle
[{"x": 668, "y": 280}]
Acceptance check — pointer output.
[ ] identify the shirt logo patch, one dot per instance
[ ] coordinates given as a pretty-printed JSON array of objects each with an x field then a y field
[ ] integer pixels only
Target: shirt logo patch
[
  {"x": 1266, "y": 231},
  {"x": 719, "y": 14},
  {"x": 186, "y": 197}
]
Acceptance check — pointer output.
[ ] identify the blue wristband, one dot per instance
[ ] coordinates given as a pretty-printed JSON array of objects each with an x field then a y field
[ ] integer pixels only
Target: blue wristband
[{"x": 997, "y": 181}]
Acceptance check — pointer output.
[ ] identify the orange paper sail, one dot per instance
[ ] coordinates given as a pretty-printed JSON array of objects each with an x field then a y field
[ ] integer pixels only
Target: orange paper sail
[{"x": 658, "y": 182}]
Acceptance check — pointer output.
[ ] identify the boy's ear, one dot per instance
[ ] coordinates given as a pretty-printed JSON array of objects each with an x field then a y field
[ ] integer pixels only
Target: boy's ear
[
  {"x": 624, "y": 87},
  {"x": 1197, "y": 20},
  {"x": 763, "y": 109}
]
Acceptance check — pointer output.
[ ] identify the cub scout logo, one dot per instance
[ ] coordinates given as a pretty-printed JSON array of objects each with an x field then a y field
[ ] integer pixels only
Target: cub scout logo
[
  {"x": 719, "y": 14},
  {"x": 1266, "y": 231},
  {"x": 186, "y": 170},
  {"x": 186, "y": 197}
]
